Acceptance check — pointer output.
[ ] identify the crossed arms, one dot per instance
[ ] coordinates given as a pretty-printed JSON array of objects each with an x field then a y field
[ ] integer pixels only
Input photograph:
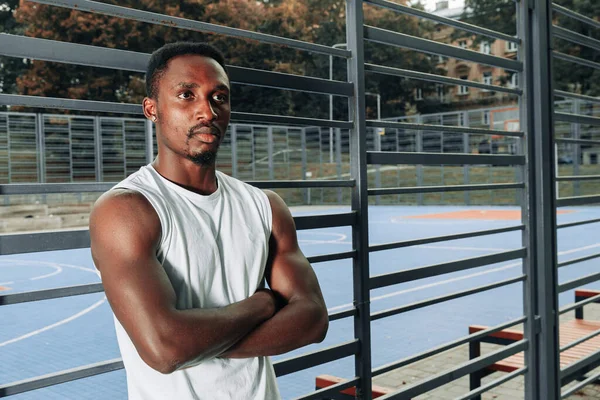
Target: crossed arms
[{"x": 125, "y": 232}]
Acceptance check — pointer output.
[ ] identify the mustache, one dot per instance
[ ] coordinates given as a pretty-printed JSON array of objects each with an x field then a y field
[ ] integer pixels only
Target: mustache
[{"x": 213, "y": 129}]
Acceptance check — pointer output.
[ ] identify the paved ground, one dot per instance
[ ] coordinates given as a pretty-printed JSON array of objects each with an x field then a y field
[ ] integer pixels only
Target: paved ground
[{"x": 511, "y": 390}]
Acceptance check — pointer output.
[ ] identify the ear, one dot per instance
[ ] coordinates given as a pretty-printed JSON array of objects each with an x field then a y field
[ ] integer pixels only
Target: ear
[{"x": 150, "y": 109}]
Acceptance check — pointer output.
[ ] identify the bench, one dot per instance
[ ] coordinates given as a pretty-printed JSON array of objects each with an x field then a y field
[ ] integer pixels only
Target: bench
[
  {"x": 323, "y": 381},
  {"x": 568, "y": 332}
]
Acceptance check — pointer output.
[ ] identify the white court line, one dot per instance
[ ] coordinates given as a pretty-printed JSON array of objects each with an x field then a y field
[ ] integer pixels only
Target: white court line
[
  {"x": 58, "y": 271},
  {"x": 460, "y": 278},
  {"x": 56, "y": 324}
]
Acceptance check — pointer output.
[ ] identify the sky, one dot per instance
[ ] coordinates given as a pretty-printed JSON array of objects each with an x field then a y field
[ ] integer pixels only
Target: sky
[{"x": 430, "y": 4}]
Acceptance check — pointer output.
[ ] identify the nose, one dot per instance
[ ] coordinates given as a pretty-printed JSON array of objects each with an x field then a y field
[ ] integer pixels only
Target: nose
[{"x": 205, "y": 111}]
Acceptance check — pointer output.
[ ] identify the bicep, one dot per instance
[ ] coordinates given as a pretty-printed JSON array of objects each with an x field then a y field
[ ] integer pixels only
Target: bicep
[
  {"x": 289, "y": 274},
  {"x": 124, "y": 233}
]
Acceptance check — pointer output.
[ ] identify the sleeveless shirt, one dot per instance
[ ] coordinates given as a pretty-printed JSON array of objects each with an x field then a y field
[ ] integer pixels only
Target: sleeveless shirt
[{"x": 214, "y": 250}]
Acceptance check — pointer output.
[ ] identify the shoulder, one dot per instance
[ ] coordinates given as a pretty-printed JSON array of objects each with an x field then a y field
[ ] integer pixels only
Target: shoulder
[
  {"x": 282, "y": 217},
  {"x": 124, "y": 215}
]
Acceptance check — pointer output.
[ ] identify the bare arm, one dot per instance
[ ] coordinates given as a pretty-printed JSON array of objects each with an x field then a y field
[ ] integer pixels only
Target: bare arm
[
  {"x": 303, "y": 318},
  {"x": 125, "y": 231}
]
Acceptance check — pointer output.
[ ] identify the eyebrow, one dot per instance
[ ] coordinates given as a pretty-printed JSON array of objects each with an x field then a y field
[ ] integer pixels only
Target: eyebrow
[{"x": 191, "y": 85}]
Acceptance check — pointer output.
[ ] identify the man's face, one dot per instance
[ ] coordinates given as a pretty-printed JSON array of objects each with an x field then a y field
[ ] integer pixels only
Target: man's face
[{"x": 192, "y": 107}]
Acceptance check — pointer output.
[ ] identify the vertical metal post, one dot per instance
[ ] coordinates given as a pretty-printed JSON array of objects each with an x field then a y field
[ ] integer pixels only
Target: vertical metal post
[
  {"x": 466, "y": 150},
  {"x": 537, "y": 118},
  {"x": 338, "y": 161},
  {"x": 253, "y": 152},
  {"x": 234, "y": 162},
  {"x": 124, "y": 149},
  {"x": 70, "y": 133},
  {"x": 360, "y": 200},
  {"x": 149, "y": 141},
  {"x": 98, "y": 148},
  {"x": 331, "y": 111},
  {"x": 419, "y": 168},
  {"x": 41, "y": 148},
  {"x": 303, "y": 146},
  {"x": 576, "y": 148},
  {"x": 270, "y": 152}
]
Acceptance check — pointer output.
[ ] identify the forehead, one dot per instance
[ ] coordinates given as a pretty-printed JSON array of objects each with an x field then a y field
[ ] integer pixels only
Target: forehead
[{"x": 193, "y": 68}]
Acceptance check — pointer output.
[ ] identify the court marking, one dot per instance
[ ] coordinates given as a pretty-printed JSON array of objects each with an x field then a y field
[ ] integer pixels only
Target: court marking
[
  {"x": 63, "y": 321},
  {"x": 23, "y": 263},
  {"x": 459, "y": 278}
]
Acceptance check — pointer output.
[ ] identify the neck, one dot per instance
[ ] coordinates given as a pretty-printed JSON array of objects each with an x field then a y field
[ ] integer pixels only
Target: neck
[{"x": 200, "y": 179}]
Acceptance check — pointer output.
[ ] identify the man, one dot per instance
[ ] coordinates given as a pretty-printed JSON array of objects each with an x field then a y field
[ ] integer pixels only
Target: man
[{"x": 183, "y": 251}]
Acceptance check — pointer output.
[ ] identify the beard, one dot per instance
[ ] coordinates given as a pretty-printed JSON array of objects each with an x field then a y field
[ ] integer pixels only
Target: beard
[{"x": 205, "y": 158}]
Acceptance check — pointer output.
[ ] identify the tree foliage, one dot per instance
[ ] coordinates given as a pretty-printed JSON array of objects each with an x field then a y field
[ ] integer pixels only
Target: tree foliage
[{"x": 315, "y": 21}]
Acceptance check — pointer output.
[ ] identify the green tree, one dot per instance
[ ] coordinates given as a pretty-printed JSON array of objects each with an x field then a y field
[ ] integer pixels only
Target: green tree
[{"x": 308, "y": 20}]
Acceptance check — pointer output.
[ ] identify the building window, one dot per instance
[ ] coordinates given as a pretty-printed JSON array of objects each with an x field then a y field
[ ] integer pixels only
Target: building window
[
  {"x": 418, "y": 94},
  {"x": 485, "y": 47},
  {"x": 511, "y": 47},
  {"x": 462, "y": 44},
  {"x": 463, "y": 89},
  {"x": 440, "y": 92},
  {"x": 513, "y": 82},
  {"x": 487, "y": 79}
]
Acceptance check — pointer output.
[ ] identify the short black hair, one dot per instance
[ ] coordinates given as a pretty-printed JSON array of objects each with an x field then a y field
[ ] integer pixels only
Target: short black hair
[{"x": 157, "y": 64}]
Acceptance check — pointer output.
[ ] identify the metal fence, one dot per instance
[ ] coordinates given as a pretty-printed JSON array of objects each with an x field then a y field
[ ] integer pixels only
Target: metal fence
[
  {"x": 532, "y": 160},
  {"x": 107, "y": 149}
]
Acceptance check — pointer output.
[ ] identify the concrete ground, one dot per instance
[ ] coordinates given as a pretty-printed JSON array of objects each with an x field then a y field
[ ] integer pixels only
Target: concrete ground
[{"x": 510, "y": 390}]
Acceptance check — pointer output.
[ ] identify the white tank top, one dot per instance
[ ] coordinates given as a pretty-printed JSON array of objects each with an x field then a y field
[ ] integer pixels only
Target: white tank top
[{"x": 214, "y": 250}]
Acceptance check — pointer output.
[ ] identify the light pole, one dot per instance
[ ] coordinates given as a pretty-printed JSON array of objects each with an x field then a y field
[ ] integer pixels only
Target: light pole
[{"x": 335, "y": 46}]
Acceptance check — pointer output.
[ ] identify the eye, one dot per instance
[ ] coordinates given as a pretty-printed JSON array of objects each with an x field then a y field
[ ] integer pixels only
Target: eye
[
  {"x": 220, "y": 98},
  {"x": 185, "y": 95}
]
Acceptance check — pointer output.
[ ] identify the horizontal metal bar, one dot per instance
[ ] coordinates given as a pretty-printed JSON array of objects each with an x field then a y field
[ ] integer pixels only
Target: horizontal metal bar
[
  {"x": 490, "y": 385},
  {"x": 384, "y": 36},
  {"x": 575, "y": 37},
  {"x": 446, "y": 21},
  {"x": 296, "y": 184},
  {"x": 580, "y": 340},
  {"x": 69, "y": 104},
  {"x": 461, "y": 370},
  {"x": 576, "y": 60},
  {"x": 578, "y": 260},
  {"x": 60, "y": 377},
  {"x": 393, "y": 278},
  {"x": 325, "y": 393},
  {"x": 441, "y": 299},
  {"x": 577, "y": 141},
  {"x": 572, "y": 368},
  {"x": 580, "y": 385},
  {"x": 577, "y": 200},
  {"x": 47, "y": 294},
  {"x": 46, "y": 241},
  {"x": 444, "y": 347},
  {"x": 575, "y": 15},
  {"x": 444, "y": 238},
  {"x": 46, "y": 188},
  {"x": 440, "y": 128},
  {"x": 447, "y": 188},
  {"x": 197, "y": 26},
  {"x": 331, "y": 257},
  {"x": 577, "y": 118},
  {"x": 342, "y": 314},
  {"x": 575, "y": 283},
  {"x": 325, "y": 220},
  {"x": 409, "y": 158},
  {"x": 123, "y": 108},
  {"x": 578, "y": 223},
  {"x": 285, "y": 120},
  {"x": 579, "y": 304},
  {"x": 577, "y": 96},
  {"x": 308, "y": 360},
  {"x": 437, "y": 78},
  {"x": 103, "y": 57}
]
